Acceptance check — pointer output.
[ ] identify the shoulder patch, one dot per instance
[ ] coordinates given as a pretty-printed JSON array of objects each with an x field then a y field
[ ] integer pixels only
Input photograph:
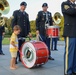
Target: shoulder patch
[
  {"x": 36, "y": 16},
  {"x": 66, "y": 7},
  {"x": 12, "y": 17}
]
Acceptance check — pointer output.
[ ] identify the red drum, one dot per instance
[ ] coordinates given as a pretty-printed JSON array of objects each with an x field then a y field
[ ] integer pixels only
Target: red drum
[
  {"x": 53, "y": 31},
  {"x": 34, "y": 54}
]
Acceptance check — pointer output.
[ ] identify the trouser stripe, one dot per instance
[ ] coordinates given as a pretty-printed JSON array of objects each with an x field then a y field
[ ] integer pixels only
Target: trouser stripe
[{"x": 66, "y": 55}]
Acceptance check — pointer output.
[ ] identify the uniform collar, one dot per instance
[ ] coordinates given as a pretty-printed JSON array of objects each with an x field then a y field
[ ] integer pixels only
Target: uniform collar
[
  {"x": 45, "y": 12},
  {"x": 71, "y": 2},
  {"x": 21, "y": 11}
]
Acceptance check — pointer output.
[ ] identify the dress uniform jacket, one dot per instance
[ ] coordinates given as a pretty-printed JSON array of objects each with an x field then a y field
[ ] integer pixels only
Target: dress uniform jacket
[
  {"x": 2, "y": 29},
  {"x": 21, "y": 19},
  {"x": 40, "y": 22},
  {"x": 69, "y": 12}
]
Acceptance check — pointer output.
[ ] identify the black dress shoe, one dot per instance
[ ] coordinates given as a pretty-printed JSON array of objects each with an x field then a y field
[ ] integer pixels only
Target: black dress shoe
[
  {"x": 74, "y": 73},
  {"x": 50, "y": 58},
  {"x": 19, "y": 60},
  {"x": 52, "y": 50},
  {"x": 16, "y": 62},
  {"x": 2, "y": 54},
  {"x": 55, "y": 49},
  {"x": 68, "y": 74}
]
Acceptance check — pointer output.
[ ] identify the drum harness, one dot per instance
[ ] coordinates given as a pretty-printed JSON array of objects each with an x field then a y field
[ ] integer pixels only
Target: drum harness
[{"x": 47, "y": 21}]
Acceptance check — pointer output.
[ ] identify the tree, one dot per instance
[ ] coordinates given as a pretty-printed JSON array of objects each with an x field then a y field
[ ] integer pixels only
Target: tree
[{"x": 33, "y": 27}]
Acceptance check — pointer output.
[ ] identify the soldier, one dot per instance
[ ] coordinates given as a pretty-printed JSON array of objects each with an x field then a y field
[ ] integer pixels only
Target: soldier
[
  {"x": 2, "y": 32},
  {"x": 54, "y": 44},
  {"x": 69, "y": 13},
  {"x": 21, "y": 18},
  {"x": 44, "y": 19}
]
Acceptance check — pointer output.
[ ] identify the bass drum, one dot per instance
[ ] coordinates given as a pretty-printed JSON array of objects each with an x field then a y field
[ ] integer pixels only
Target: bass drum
[{"x": 34, "y": 54}]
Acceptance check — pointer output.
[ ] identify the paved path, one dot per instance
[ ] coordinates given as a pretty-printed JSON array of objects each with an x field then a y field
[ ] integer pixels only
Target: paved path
[{"x": 50, "y": 68}]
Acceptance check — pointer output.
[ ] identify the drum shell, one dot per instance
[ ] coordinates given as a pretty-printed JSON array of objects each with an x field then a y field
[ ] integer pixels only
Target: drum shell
[
  {"x": 42, "y": 54},
  {"x": 52, "y": 31}
]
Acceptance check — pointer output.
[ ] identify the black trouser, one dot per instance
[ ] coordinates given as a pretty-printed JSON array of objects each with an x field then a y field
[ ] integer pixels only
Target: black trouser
[
  {"x": 1, "y": 45},
  {"x": 20, "y": 42},
  {"x": 46, "y": 40},
  {"x": 54, "y": 43}
]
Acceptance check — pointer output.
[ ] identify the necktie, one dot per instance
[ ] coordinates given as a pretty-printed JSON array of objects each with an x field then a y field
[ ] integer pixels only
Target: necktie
[{"x": 23, "y": 13}]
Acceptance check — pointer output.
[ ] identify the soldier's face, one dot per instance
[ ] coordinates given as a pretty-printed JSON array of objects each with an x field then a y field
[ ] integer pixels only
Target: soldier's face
[
  {"x": 73, "y": 0},
  {"x": 23, "y": 7},
  {"x": 45, "y": 8}
]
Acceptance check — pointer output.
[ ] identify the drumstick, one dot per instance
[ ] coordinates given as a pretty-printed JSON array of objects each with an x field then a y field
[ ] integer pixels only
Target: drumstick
[
  {"x": 40, "y": 38},
  {"x": 37, "y": 37}
]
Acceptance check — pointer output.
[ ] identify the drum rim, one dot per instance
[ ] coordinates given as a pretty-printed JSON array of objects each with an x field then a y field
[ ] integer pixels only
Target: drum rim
[
  {"x": 53, "y": 27},
  {"x": 22, "y": 55}
]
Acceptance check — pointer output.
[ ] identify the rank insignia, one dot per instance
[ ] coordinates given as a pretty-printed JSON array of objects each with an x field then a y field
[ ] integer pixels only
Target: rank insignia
[
  {"x": 66, "y": 7},
  {"x": 36, "y": 17}
]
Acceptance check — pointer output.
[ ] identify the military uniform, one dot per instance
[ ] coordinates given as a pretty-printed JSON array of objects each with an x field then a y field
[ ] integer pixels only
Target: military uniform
[
  {"x": 54, "y": 44},
  {"x": 1, "y": 34},
  {"x": 69, "y": 13},
  {"x": 44, "y": 18},
  {"x": 21, "y": 19},
  {"x": 41, "y": 20}
]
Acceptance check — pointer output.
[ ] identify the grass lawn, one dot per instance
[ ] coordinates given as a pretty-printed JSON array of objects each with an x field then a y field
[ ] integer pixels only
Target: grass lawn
[{"x": 6, "y": 41}]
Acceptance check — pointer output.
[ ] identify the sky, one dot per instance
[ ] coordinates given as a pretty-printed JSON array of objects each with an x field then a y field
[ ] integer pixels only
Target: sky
[{"x": 33, "y": 6}]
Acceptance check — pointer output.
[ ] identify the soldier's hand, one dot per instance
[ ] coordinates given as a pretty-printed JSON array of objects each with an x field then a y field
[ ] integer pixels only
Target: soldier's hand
[
  {"x": 75, "y": 7},
  {"x": 37, "y": 32},
  {"x": 30, "y": 35},
  {"x": 37, "y": 35},
  {"x": 9, "y": 38},
  {"x": 3, "y": 33},
  {"x": 54, "y": 23}
]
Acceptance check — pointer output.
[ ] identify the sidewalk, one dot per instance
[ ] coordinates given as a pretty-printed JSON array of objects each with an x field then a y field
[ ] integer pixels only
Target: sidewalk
[{"x": 50, "y": 68}]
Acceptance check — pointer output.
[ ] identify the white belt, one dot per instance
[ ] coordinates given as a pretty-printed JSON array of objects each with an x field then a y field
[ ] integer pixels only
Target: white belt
[{"x": 21, "y": 38}]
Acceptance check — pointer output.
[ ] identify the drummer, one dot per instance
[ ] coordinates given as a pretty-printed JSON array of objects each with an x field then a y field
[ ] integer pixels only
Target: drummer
[{"x": 44, "y": 19}]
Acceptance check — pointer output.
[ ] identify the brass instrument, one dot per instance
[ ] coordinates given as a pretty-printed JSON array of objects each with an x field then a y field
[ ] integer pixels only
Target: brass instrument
[
  {"x": 57, "y": 18},
  {"x": 4, "y": 9},
  {"x": 2, "y": 21}
]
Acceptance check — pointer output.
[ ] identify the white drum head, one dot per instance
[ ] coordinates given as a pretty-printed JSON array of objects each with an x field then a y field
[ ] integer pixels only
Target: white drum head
[{"x": 28, "y": 55}]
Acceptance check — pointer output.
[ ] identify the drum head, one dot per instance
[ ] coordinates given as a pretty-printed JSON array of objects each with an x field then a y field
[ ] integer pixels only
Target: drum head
[{"x": 28, "y": 55}]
